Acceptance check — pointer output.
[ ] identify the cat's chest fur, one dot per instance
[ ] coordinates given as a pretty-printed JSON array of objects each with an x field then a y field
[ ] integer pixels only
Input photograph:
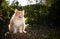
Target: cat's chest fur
[{"x": 18, "y": 21}]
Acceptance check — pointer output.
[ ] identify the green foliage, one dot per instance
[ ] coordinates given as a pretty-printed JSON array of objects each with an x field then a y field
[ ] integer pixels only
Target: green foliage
[{"x": 5, "y": 14}]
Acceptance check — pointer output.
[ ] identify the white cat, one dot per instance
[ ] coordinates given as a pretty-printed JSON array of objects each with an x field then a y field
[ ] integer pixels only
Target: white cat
[{"x": 17, "y": 22}]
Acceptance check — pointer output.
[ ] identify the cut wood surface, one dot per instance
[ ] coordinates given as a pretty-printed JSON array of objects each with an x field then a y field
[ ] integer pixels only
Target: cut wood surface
[{"x": 16, "y": 36}]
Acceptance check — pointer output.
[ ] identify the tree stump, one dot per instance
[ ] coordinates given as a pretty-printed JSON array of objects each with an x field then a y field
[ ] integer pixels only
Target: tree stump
[{"x": 16, "y": 36}]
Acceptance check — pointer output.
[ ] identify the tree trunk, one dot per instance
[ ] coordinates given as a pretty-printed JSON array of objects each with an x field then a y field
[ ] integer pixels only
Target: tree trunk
[
  {"x": 46, "y": 2},
  {"x": 16, "y": 36}
]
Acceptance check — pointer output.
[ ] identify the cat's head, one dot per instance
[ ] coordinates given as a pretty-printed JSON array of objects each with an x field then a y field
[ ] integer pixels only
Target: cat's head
[{"x": 19, "y": 13}]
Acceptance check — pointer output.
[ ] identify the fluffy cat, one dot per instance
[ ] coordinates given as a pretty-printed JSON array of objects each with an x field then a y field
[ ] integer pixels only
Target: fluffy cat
[{"x": 17, "y": 22}]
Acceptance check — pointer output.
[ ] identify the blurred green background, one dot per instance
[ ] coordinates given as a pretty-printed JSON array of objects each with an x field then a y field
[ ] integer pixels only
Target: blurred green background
[{"x": 43, "y": 19}]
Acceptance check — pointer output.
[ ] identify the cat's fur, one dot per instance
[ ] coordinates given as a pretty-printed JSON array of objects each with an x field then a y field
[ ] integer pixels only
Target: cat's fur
[{"x": 17, "y": 22}]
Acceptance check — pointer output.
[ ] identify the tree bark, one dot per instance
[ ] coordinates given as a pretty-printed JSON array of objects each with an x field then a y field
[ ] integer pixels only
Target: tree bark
[{"x": 16, "y": 36}]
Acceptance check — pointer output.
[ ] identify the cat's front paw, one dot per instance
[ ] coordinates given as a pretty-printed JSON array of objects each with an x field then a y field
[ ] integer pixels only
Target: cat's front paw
[{"x": 25, "y": 31}]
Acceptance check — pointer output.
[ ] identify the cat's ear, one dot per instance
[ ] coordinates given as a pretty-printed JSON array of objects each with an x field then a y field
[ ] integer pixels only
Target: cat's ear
[
  {"x": 16, "y": 10},
  {"x": 23, "y": 12}
]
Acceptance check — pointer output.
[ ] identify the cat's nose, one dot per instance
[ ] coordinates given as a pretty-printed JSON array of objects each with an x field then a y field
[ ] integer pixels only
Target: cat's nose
[{"x": 19, "y": 16}]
